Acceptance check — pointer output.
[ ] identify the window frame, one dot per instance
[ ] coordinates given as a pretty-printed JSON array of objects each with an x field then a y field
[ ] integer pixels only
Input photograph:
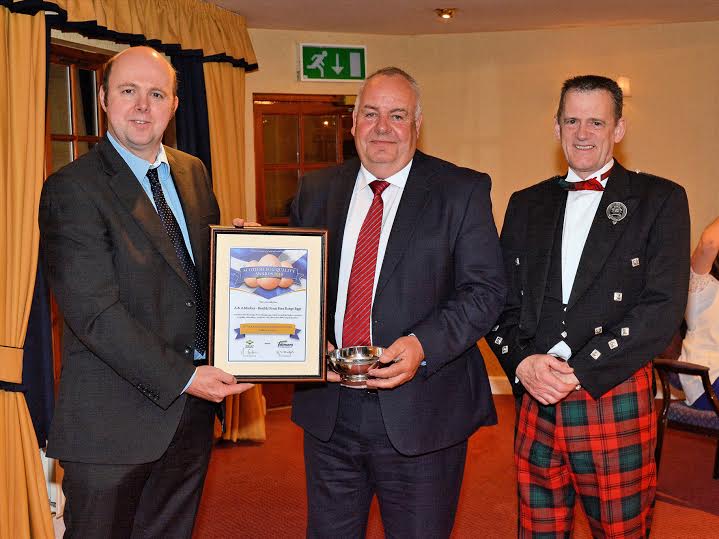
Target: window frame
[
  {"x": 299, "y": 105},
  {"x": 75, "y": 59}
]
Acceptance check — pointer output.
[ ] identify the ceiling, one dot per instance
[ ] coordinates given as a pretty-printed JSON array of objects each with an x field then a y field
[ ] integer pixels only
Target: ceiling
[{"x": 411, "y": 17}]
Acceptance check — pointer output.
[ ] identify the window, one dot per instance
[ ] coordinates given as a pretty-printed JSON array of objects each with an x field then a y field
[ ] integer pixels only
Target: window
[
  {"x": 74, "y": 119},
  {"x": 295, "y": 134}
]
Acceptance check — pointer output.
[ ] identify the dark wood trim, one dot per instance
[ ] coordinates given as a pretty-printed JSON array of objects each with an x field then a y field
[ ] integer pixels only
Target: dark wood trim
[
  {"x": 298, "y": 105},
  {"x": 336, "y": 100},
  {"x": 62, "y": 54}
]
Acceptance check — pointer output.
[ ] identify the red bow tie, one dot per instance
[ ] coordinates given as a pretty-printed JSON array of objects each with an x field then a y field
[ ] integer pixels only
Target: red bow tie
[{"x": 591, "y": 184}]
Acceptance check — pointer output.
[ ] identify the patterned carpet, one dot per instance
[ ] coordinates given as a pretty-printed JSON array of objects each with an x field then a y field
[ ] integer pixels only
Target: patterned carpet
[{"x": 257, "y": 491}]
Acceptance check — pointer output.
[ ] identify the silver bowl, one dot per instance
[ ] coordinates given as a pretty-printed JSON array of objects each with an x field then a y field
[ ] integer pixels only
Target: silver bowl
[{"x": 352, "y": 363}]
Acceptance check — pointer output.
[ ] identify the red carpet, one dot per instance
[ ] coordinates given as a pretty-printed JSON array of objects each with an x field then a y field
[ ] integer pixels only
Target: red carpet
[{"x": 258, "y": 491}]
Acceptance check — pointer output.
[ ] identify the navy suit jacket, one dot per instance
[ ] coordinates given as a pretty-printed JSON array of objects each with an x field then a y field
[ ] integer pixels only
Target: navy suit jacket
[
  {"x": 630, "y": 290},
  {"x": 441, "y": 278},
  {"x": 128, "y": 308}
]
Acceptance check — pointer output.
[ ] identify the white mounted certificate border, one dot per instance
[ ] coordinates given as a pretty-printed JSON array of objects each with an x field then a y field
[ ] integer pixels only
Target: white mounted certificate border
[{"x": 267, "y": 298}]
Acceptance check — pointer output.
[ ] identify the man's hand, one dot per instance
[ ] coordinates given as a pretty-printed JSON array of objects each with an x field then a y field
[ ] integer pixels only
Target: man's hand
[
  {"x": 239, "y": 222},
  {"x": 332, "y": 376},
  {"x": 407, "y": 354},
  {"x": 547, "y": 378},
  {"x": 213, "y": 384}
]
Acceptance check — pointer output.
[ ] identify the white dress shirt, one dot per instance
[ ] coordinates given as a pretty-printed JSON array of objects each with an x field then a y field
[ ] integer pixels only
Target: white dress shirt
[
  {"x": 362, "y": 196},
  {"x": 578, "y": 218}
]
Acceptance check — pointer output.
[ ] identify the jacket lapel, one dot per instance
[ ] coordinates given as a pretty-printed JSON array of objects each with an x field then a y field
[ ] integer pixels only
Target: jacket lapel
[
  {"x": 186, "y": 189},
  {"x": 338, "y": 203},
  {"x": 604, "y": 232},
  {"x": 414, "y": 198},
  {"x": 134, "y": 199},
  {"x": 543, "y": 222}
]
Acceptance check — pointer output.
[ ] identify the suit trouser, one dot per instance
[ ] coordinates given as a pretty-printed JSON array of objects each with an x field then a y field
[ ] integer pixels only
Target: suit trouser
[
  {"x": 152, "y": 500},
  {"x": 602, "y": 450},
  {"x": 417, "y": 494}
]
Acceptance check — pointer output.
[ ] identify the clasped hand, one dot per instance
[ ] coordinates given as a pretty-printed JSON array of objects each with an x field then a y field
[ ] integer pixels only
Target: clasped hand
[{"x": 547, "y": 378}]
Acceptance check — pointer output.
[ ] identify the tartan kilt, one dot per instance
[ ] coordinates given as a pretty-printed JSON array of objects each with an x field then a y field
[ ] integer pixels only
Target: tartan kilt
[{"x": 601, "y": 450}]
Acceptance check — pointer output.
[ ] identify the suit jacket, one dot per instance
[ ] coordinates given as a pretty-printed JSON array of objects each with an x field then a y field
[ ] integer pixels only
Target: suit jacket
[
  {"x": 128, "y": 308},
  {"x": 630, "y": 289},
  {"x": 441, "y": 279}
]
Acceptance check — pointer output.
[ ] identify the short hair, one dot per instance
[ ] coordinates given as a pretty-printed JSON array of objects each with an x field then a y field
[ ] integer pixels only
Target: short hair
[
  {"x": 589, "y": 83},
  {"x": 107, "y": 69},
  {"x": 392, "y": 71}
]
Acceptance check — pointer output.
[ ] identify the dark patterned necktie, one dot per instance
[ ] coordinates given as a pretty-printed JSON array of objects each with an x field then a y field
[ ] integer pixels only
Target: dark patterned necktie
[
  {"x": 183, "y": 256},
  {"x": 356, "y": 325}
]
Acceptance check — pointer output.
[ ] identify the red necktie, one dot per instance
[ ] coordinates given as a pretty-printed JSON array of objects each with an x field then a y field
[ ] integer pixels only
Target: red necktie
[
  {"x": 356, "y": 328},
  {"x": 591, "y": 184}
]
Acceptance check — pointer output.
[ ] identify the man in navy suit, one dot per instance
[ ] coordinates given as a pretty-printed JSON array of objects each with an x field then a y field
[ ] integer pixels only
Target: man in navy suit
[
  {"x": 415, "y": 267},
  {"x": 598, "y": 268}
]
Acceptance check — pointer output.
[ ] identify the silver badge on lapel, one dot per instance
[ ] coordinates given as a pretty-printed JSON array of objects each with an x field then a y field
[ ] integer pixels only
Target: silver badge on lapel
[{"x": 616, "y": 211}]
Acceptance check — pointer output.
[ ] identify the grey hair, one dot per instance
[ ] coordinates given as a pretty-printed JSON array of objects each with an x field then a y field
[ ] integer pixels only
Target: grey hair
[{"x": 392, "y": 71}]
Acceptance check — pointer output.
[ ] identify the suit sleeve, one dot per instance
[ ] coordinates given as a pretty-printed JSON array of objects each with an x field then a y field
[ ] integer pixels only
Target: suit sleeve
[
  {"x": 471, "y": 310},
  {"x": 649, "y": 325},
  {"x": 78, "y": 252},
  {"x": 504, "y": 339}
]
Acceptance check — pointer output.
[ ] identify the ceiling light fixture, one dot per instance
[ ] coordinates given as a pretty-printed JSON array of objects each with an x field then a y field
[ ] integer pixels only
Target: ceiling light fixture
[{"x": 445, "y": 13}]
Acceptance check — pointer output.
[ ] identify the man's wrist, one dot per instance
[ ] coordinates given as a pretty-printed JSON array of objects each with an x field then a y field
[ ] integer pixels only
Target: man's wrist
[{"x": 423, "y": 362}]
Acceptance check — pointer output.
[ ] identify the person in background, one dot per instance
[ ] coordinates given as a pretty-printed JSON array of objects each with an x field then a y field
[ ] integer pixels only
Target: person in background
[
  {"x": 701, "y": 342},
  {"x": 415, "y": 267},
  {"x": 125, "y": 233},
  {"x": 597, "y": 263}
]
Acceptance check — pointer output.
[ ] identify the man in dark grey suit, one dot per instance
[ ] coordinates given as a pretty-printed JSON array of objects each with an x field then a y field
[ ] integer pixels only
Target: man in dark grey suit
[
  {"x": 598, "y": 268},
  {"x": 125, "y": 234},
  {"x": 423, "y": 228}
]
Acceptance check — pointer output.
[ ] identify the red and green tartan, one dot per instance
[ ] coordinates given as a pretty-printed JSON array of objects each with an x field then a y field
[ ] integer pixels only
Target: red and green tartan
[{"x": 602, "y": 450}]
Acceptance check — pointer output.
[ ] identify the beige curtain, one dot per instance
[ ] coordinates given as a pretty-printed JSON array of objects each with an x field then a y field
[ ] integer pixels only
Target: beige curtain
[
  {"x": 225, "y": 88},
  {"x": 24, "y": 508},
  {"x": 192, "y": 24}
]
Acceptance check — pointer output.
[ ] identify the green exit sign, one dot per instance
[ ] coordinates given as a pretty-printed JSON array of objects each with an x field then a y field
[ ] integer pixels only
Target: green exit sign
[{"x": 332, "y": 62}]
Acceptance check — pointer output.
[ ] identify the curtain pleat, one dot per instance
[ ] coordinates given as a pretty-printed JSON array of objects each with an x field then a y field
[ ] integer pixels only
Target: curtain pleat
[
  {"x": 24, "y": 507},
  {"x": 191, "y": 24},
  {"x": 191, "y": 124},
  {"x": 225, "y": 89}
]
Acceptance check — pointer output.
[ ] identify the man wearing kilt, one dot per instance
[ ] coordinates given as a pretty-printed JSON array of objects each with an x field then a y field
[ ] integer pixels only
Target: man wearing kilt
[{"x": 597, "y": 264}]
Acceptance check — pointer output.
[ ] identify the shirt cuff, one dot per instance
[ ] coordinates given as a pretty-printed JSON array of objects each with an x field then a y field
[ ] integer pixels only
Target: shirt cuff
[
  {"x": 561, "y": 350},
  {"x": 189, "y": 383}
]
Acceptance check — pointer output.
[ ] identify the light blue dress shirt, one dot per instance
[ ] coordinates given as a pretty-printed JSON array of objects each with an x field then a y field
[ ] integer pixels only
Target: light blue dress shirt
[{"x": 139, "y": 168}]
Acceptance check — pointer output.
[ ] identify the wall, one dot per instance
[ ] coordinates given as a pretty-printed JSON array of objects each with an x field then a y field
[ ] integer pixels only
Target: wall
[{"x": 489, "y": 98}]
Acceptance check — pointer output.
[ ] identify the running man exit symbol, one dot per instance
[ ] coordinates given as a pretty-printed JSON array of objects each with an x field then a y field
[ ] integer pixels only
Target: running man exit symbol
[{"x": 332, "y": 62}]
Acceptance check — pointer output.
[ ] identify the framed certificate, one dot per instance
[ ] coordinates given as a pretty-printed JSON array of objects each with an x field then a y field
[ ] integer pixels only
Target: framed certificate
[{"x": 267, "y": 303}]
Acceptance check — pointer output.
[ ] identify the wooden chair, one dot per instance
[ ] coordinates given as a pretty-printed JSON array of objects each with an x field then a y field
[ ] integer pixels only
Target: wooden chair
[{"x": 676, "y": 414}]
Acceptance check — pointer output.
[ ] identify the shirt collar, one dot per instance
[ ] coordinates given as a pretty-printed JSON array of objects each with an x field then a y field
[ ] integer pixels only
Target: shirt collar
[
  {"x": 573, "y": 177},
  {"x": 138, "y": 165},
  {"x": 399, "y": 178}
]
